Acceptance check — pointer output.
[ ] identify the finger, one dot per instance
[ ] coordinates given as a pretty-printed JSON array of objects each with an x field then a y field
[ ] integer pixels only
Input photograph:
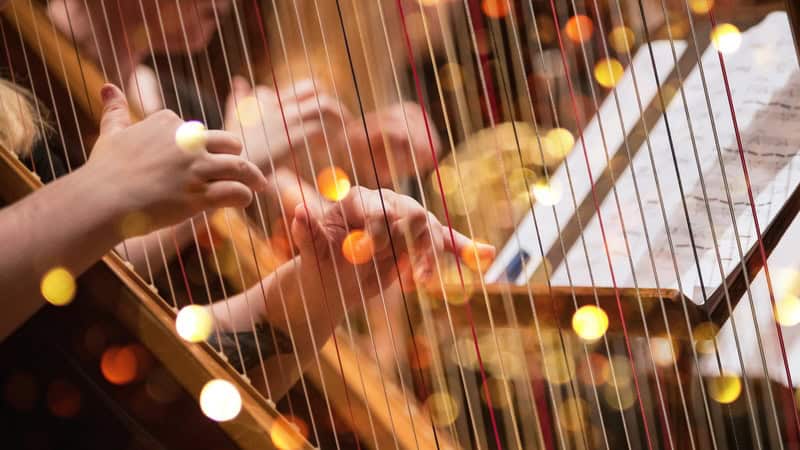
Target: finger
[
  {"x": 457, "y": 243},
  {"x": 316, "y": 108},
  {"x": 308, "y": 231},
  {"x": 219, "y": 141},
  {"x": 299, "y": 91},
  {"x": 240, "y": 89},
  {"x": 116, "y": 115},
  {"x": 231, "y": 168},
  {"x": 227, "y": 194}
]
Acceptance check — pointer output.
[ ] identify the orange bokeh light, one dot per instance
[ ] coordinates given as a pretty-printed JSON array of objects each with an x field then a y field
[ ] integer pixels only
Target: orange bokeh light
[
  {"x": 63, "y": 399},
  {"x": 496, "y": 9},
  {"x": 119, "y": 365},
  {"x": 333, "y": 183},
  {"x": 579, "y": 28},
  {"x": 476, "y": 260},
  {"x": 358, "y": 247}
]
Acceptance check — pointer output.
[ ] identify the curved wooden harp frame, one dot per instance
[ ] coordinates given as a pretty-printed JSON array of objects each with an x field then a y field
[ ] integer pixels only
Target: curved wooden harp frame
[{"x": 152, "y": 319}]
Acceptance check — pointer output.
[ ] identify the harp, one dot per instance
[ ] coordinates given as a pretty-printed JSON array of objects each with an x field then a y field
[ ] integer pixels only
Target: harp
[{"x": 617, "y": 348}]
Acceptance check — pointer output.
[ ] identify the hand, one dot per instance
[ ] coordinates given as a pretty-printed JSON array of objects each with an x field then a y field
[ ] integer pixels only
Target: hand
[
  {"x": 414, "y": 232},
  {"x": 146, "y": 172},
  {"x": 264, "y": 133},
  {"x": 406, "y": 140}
]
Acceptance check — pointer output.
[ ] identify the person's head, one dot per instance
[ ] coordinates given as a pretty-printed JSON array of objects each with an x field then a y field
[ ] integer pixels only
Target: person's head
[
  {"x": 185, "y": 23},
  {"x": 18, "y": 127}
]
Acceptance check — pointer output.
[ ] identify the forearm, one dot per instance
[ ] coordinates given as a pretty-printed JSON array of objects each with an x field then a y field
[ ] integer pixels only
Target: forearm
[
  {"x": 295, "y": 304},
  {"x": 69, "y": 223}
]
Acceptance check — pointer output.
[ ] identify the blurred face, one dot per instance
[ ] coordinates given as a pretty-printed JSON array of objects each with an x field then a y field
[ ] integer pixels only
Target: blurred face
[{"x": 183, "y": 21}]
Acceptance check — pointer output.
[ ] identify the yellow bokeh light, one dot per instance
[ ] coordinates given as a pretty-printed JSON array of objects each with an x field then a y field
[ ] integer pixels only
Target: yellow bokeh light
[
  {"x": 333, "y": 183},
  {"x": 558, "y": 142},
  {"x": 442, "y": 407},
  {"x": 194, "y": 323},
  {"x": 451, "y": 77},
  {"x": 476, "y": 259},
  {"x": 495, "y": 9},
  {"x": 619, "y": 399},
  {"x": 621, "y": 39},
  {"x": 590, "y": 322},
  {"x": 289, "y": 433},
  {"x": 358, "y": 247},
  {"x": 608, "y": 72},
  {"x": 594, "y": 370},
  {"x": 58, "y": 286},
  {"x": 449, "y": 180},
  {"x": 787, "y": 311},
  {"x": 556, "y": 370},
  {"x": 663, "y": 351},
  {"x": 572, "y": 414},
  {"x": 725, "y": 388},
  {"x": 547, "y": 193},
  {"x": 579, "y": 28},
  {"x": 135, "y": 224},
  {"x": 621, "y": 373},
  {"x": 191, "y": 136},
  {"x": 220, "y": 400},
  {"x": 701, "y": 6},
  {"x": 726, "y": 38},
  {"x": 704, "y": 335}
]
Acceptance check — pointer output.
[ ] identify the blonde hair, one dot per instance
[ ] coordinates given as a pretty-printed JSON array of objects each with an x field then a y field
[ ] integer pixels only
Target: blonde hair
[{"x": 18, "y": 121}]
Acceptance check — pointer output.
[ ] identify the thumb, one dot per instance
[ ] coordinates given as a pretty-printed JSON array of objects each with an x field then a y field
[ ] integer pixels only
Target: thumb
[
  {"x": 307, "y": 231},
  {"x": 116, "y": 115}
]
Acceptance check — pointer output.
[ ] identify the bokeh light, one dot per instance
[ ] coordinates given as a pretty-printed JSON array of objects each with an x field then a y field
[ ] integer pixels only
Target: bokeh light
[
  {"x": 558, "y": 142},
  {"x": 787, "y": 311},
  {"x": 704, "y": 335},
  {"x": 594, "y": 370},
  {"x": 289, "y": 433},
  {"x": 701, "y": 6},
  {"x": 58, "y": 286},
  {"x": 478, "y": 261},
  {"x": 547, "y": 193},
  {"x": 358, "y": 247},
  {"x": 579, "y": 28},
  {"x": 63, "y": 399},
  {"x": 663, "y": 351},
  {"x": 590, "y": 322},
  {"x": 725, "y": 388},
  {"x": 220, "y": 400},
  {"x": 134, "y": 224},
  {"x": 194, "y": 323},
  {"x": 608, "y": 72},
  {"x": 557, "y": 371},
  {"x": 191, "y": 136},
  {"x": 119, "y": 365},
  {"x": 442, "y": 407},
  {"x": 20, "y": 391},
  {"x": 620, "y": 399},
  {"x": 496, "y": 9},
  {"x": 621, "y": 373},
  {"x": 572, "y": 414},
  {"x": 333, "y": 183},
  {"x": 726, "y": 38},
  {"x": 622, "y": 39},
  {"x": 451, "y": 77}
]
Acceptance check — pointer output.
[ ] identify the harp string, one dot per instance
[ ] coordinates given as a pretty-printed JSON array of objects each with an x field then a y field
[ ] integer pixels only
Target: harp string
[
  {"x": 292, "y": 150},
  {"x": 437, "y": 378},
  {"x": 695, "y": 358},
  {"x": 468, "y": 307},
  {"x": 711, "y": 225},
  {"x": 506, "y": 92},
  {"x": 347, "y": 229},
  {"x": 725, "y": 180},
  {"x": 664, "y": 414},
  {"x": 562, "y": 342},
  {"x": 293, "y": 81},
  {"x": 748, "y": 394},
  {"x": 602, "y": 228},
  {"x": 448, "y": 127},
  {"x": 760, "y": 242}
]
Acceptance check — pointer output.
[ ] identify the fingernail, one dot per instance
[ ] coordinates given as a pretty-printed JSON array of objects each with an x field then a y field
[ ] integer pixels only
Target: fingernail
[{"x": 106, "y": 92}]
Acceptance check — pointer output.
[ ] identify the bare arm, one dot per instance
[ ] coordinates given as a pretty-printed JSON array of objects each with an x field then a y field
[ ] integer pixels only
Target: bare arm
[{"x": 43, "y": 231}]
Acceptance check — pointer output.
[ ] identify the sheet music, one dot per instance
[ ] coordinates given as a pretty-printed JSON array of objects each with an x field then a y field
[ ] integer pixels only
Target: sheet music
[{"x": 766, "y": 90}]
